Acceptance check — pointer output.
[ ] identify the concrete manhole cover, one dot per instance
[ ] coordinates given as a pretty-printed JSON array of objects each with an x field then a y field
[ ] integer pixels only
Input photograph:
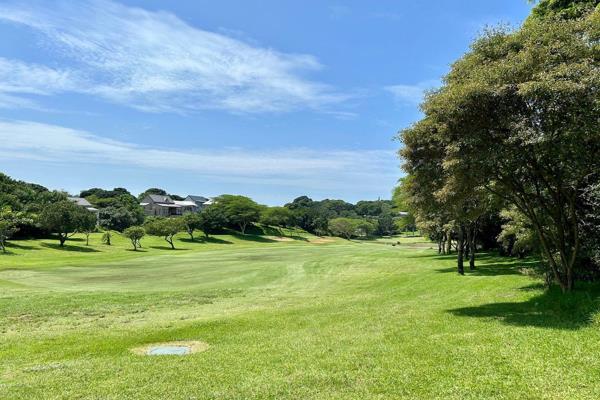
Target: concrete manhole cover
[{"x": 180, "y": 348}]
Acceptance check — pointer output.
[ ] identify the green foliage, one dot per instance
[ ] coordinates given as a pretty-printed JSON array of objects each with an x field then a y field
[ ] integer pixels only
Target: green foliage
[
  {"x": 344, "y": 227},
  {"x": 212, "y": 220},
  {"x": 240, "y": 211},
  {"x": 563, "y": 8},
  {"x": 166, "y": 228},
  {"x": 8, "y": 225},
  {"x": 106, "y": 238},
  {"x": 192, "y": 222},
  {"x": 64, "y": 218},
  {"x": 277, "y": 216},
  {"x": 516, "y": 122},
  {"x": 119, "y": 218},
  {"x": 135, "y": 235}
]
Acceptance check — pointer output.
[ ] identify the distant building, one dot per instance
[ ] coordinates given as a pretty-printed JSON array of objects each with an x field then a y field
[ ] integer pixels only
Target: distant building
[
  {"x": 164, "y": 206},
  {"x": 81, "y": 202}
]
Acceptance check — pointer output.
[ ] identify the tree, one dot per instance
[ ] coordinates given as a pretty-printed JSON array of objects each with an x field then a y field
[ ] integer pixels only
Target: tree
[
  {"x": 64, "y": 218},
  {"x": 239, "y": 210},
  {"x": 166, "y": 228},
  {"x": 135, "y": 235},
  {"x": 364, "y": 227},
  {"x": 191, "y": 222},
  {"x": 211, "y": 220},
  {"x": 517, "y": 117},
  {"x": 344, "y": 227},
  {"x": 280, "y": 217},
  {"x": 88, "y": 225},
  {"x": 8, "y": 226},
  {"x": 106, "y": 237},
  {"x": 118, "y": 218},
  {"x": 562, "y": 8}
]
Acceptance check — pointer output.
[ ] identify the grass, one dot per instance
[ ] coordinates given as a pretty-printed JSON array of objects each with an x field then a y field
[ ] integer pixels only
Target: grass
[{"x": 287, "y": 320}]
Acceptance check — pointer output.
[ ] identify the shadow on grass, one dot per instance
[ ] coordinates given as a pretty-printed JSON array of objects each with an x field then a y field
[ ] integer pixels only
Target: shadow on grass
[
  {"x": 68, "y": 247},
  {"x": 15, "y": 245},
  {"x": 253, "y": 238},
  {"x": 489, "y": 264},
  {"x": 167, "y": 248},
  {"x": 551, "y": 309},
  {"x": 212, "y": 239},
  {"x": 137, "y": 251}
]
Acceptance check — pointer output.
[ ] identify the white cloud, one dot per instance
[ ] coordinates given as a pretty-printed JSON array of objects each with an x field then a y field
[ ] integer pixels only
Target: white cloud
[
  {"x": 411, "y": 94},
  {"x": 154, "y": 61},
  {"x": 305, "y": 168}
]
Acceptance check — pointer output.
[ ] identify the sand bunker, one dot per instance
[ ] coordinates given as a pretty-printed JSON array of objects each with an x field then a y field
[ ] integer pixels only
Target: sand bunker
[
  {"x": 321, "y": 240},
  {"x": 280, "y": 238},
  {"x": 179, "y": 348}
]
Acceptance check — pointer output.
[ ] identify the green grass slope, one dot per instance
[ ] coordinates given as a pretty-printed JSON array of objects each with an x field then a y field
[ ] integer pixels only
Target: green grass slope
[{"x": 296, "y": 319}]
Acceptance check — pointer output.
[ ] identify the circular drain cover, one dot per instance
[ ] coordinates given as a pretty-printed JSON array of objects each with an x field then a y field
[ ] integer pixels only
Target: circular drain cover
[
  {"x": 168, "y": 351},
  {"x": 177, "y": 348}
]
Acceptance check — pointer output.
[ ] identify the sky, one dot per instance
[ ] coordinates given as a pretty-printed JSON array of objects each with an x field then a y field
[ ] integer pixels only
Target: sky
[{"x": 270, "y": 99}]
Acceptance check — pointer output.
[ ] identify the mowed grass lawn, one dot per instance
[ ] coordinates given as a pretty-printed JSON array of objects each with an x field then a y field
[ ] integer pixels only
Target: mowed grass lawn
[{"x": 298, "y": 319}]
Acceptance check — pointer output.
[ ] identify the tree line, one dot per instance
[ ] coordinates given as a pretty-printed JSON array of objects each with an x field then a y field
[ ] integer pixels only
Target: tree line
[
  {"x": 512, "y": 136},
  {"x": 32, "y": 211}
]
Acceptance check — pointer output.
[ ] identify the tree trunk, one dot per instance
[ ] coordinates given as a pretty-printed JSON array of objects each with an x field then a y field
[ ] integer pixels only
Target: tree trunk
[
  {"x": 243, "y": 228},
  {"x": 191, "y": 233},
  {"x": 87, "y": 239},
  {"x": 170, "y": 241},
  {"x": 471, "y": 233},
  {"x": 62, "y": 239},
  {"x": 461, "y": 248}
]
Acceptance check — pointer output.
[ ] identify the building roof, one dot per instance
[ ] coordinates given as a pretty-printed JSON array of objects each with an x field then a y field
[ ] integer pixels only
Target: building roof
[
  {"x": 185, "y": 203},
  {"x": 80, "y": 201},
  {"x": 197, "y": 199},
  {"x": 157, "y": 198}
]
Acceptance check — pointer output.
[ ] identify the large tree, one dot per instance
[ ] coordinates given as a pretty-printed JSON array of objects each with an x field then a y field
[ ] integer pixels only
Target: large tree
[
  {"x": 65, "y": 218},
  {"x": 518, "y": 116},
  {"x": 166, "y": 228},
  {"x": 240, "y": 211}
]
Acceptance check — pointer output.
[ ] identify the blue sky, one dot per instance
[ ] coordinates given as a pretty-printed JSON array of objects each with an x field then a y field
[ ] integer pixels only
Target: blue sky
[{"x": 270, "y": 99}]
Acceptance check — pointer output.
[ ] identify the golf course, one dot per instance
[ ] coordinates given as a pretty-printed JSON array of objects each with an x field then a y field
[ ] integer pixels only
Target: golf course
[{"x": 287, "y": 318}]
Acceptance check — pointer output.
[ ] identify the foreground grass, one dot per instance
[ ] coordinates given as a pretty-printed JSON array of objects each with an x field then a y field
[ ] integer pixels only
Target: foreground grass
[{"x": 303, "y": 318}]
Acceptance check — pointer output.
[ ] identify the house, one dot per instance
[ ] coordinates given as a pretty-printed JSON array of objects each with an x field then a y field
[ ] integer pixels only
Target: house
[
  {"x": 164, "y": 206},
  {"x": 81, "y": 202},
  {"x": 200, "y": 201}
]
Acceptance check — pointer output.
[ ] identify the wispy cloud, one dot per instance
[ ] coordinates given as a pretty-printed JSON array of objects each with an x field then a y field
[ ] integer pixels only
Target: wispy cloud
[
  {"x": 305, "y": 168},
  {"x": 154, "y": 61},
  {"x": 411, "y": 94}
]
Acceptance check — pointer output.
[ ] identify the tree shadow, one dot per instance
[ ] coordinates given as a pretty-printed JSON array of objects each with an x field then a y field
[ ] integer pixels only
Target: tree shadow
[
  {"x": 137, "y": 251},
  {"x": 213, "y": 239},
  {"x": 253, "y": 238},
  {"x": 67, "y": 247},
  {"x": 489, "y": 264},
  {"x": 16, "y": 245},
  {"x": 551, "y": 309},
  {"x": 167, "y": 248}
]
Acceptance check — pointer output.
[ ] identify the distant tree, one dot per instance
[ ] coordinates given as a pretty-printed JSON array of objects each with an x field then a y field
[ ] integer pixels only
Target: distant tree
[
  {"x": 135, "y": 235},
  {"x": 166, "y": 228},
  {"x": 212, "y": 220},
  {"x": 192, "y": 222},
  {"x": 279, "y": 217},
  {"x": 160, "y": 192},
  {"x": 344, "y": 227},
  {"x": 8, "y": 226},
  {"x": 106, "y": 237},
  {"x": 118, "y": 218},
  {"x": 364, "y": 227},
  {"x": 64, "y": 218},
  {"x": 385, "y": 224},
  {"x": 88, "y": 224},
  {"x": 240, "y": 211}
]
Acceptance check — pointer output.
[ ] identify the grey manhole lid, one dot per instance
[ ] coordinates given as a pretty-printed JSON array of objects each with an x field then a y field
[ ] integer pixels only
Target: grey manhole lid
[
  {"x": 168, "y": 351},
  {"x": 178, "y": 348}
]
